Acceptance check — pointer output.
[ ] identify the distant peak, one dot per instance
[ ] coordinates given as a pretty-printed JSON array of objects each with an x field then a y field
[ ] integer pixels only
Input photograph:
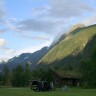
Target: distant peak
[
  {"x": 79, "y": 25},
  {"x": 76, "y": 26}
]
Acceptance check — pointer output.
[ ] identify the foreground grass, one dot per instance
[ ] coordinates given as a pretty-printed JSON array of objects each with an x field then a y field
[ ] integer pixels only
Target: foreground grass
[{"x": 28, "y": 92}]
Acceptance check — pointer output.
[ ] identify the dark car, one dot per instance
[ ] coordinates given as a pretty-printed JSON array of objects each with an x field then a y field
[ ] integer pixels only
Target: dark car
[{"x": 40, "y": 85}]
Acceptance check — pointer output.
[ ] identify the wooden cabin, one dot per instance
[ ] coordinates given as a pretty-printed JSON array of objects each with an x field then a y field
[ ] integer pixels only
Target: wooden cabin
[{"x": 66, "y": 77}]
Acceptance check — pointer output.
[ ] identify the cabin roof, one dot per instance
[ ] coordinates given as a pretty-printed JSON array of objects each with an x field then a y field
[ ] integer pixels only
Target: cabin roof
[{"x": 67, "y": 74}]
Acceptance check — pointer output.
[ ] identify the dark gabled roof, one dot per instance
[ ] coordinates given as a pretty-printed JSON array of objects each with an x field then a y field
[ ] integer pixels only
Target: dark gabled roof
[{"x": 67, "y": 74}]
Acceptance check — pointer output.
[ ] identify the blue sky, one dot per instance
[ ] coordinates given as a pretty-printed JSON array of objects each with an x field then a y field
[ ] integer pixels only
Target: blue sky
[{"x": 28, "y": 25}]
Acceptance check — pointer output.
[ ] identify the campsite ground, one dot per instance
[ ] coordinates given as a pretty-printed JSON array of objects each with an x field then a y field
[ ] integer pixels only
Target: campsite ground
[{"x": 29, "y": 92}]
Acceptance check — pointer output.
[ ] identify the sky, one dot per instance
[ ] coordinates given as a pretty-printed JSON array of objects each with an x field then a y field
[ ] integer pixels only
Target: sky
[{"x": 29, "y": 25}]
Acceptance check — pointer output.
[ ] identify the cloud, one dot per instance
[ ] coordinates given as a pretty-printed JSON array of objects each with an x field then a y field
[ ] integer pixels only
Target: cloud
[
  {"x": 8, "y": 25},
  {"x": 32, "y": 49},
  {"x": 64, "y": 9},
  {"x": 10, "y": 53},
  {"x": 3, "y": 58},
  {"x": 69, "y": 8},
  {"x": 2, "y": 9},
  {"x": 40, "y": 12},
  {"x": 53, "y": 17},
  {"x": 4, "y": 47},
  {"x": 40, "y": 38},
  {"x": 2, "y": 30},
  {"x": 2, "y": 15},
  {"x": 90, "y": 21},
  {"x": 39, "y": 25},
  {"x": 7, "y": 53},
  {"x": 2, "y": 43}
]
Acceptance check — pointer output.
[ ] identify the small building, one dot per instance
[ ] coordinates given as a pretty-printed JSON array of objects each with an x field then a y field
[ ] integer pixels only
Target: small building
[{"x": 66, "y": 77}]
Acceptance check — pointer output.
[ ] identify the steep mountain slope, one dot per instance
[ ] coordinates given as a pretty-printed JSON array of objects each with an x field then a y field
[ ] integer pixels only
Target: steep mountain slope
[
  {"x": 74, "y": 29},
  {"x": 66, "y": 51},
  {"x": 31, "y": 58}
]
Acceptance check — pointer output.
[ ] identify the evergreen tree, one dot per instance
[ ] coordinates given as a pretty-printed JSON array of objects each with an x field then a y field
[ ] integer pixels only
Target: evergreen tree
[
  {"x": 39, "y": 74},
  {"x": 18, "y": 76},
  {"x": 0, "y": 79},
  {"x": 42, "y": 74},
  {"x": 48, "y": 75},
  {"x": 6, "y": 76},
  {"x": 27, "y": 74}
]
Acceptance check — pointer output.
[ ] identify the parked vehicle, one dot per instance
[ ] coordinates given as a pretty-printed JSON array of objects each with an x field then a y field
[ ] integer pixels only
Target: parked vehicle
[{"x": 40, "y": 85}]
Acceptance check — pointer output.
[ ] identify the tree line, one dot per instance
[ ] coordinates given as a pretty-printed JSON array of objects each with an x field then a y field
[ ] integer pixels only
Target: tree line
[
  {"x": 88, "y": 70},
  {"x": 20, "y": 76}
]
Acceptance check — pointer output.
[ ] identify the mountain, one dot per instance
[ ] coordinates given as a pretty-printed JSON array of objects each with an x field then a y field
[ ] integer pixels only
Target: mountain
[
  {"x": 31, "y": 58},
  {"x": 75, "y": 28},
  {"x": 69, "y": 50},
  {"x": 2, "y": 65}
]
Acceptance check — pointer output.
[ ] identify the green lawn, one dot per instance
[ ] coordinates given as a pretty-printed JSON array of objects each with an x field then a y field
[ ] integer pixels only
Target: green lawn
[{"x": 28, "y": 92}]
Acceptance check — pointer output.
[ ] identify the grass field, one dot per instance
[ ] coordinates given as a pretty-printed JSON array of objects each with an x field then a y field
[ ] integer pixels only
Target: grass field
[{"x": 28, "y": 92}]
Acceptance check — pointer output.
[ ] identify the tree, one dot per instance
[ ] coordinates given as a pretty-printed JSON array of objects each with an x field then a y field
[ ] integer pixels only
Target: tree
[
  {"x": 0, "y": 79},
  {"x": 92, "y": 79},
  {"x": 48, "y": 75},
  {"x": 27, "y": 74},
  {"x": 6, "y": 76},
  {"x": 39, "y": 74},
  {"x": 42, "y": 74},
  {"x": 18, "y": 76}
]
